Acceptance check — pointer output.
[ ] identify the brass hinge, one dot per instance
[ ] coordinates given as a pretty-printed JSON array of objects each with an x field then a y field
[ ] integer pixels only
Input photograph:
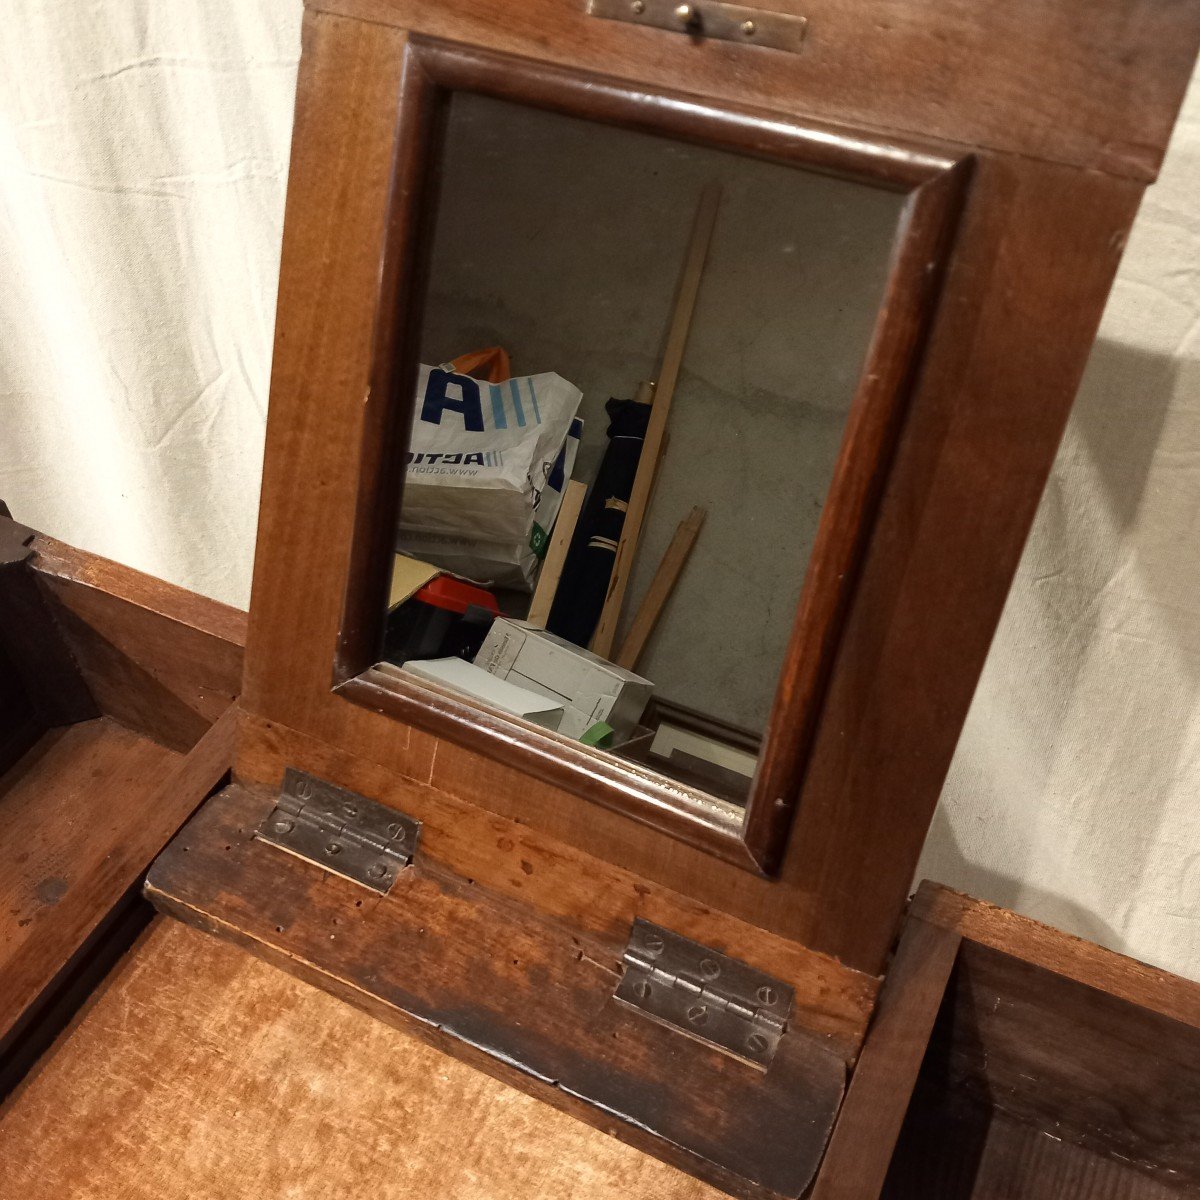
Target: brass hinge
[
  {"x": 701, "y": 19},
  {"x": 359, "y": 839},
  {"x": 704, "y": 993}
]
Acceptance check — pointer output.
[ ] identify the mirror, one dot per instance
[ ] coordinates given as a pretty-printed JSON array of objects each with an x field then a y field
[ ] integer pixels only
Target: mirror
[{"x": 574, "y": 265}]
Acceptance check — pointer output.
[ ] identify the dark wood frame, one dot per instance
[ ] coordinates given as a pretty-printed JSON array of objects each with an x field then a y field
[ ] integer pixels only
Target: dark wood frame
[{"x": 753, "y": 837}]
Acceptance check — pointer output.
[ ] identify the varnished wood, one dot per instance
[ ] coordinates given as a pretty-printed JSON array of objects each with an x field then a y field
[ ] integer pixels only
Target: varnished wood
[
  {"x": 162, "y": 661},
  {"x": 81, "y": 817},
  {"x": 1090, "y": 85},
  {"x": 860, "y": 1150},
  {"x": 522, "y": 997},
  {"x": 200, "y": 1071}
]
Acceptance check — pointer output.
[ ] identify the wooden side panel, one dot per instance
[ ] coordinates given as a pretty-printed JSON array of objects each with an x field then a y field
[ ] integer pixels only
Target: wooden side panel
[
  {"x": 522, "y": 997},
  {"x": 160, "y": 660},
  {"x": 285, "y": 1091},
  {"x": 1094, "y": 84}
]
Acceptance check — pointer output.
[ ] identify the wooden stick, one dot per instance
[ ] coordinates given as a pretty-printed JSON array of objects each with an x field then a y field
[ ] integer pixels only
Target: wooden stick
[
  {"x": 556, "y": 556},
  {"x": 668, "y": 376},
  {"x": 660, "y": 589}
]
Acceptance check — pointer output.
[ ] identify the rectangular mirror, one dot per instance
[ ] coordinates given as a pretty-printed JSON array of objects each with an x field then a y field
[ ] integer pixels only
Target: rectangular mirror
[{"x": 649, "y": 398}]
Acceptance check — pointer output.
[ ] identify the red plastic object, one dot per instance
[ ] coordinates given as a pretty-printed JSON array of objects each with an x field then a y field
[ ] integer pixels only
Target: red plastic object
[{"x": 456, "y": 596}]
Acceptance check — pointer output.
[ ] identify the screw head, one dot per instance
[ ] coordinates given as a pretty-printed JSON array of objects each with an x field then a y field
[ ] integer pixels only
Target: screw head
[
  {"x": 749, "y": 28},
  {"x": 304, "y": 789},
  {"x": 333, "y": 848},
  {"x": 685, "y": 14},
  {"x": 698, "y": 1014},
  {"x": 766, "y": 995},
  {"x": 709, "y": 969},
  {"x": 283, "y": 825},
  {"x": 638, "y": 6},
  {"x": 653, "y": 943},
  {"x": 641, "y": 989},
  {"x": 377, "y": 870},
  {"x": 350, "y": 810},
  {"x": 756, "y": 1043}
]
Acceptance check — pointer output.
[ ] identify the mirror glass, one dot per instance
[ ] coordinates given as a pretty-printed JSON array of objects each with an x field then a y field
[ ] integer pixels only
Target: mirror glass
[{"x": 565, "y": 255}]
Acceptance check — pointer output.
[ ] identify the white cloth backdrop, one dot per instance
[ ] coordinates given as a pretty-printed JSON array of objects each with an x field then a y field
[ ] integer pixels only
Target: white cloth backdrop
[{"x": 143, "y": 162}]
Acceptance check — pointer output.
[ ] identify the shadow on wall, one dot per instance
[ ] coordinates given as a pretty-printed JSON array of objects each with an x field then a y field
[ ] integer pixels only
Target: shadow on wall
[{"x": 1082, "y": 724}]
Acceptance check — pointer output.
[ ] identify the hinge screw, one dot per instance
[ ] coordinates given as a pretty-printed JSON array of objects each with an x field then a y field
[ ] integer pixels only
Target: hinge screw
[
  {"x": 766, "y": 995},
  {"x": 350, "y": 810},
  {"x": 749, "y": 28},
  {"x": 283, "y": 826},
  {"x": 756, "y": 1043},
  {"x": 697, "y": 1014},
  {"x": 333, "y": 848},
  {"x": 377, "y": 870},
  {"x": 709, "y": 969},
  {"x": 653, "y": 943},
  {"x": 641, "y": 989}
]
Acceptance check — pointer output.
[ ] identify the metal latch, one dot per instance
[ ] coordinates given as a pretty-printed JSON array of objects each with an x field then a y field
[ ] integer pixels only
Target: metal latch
[
  {"x": 710, "y": 19},
  {"x": 337, "y": 829},
  {"x": 704, "y": 993}
]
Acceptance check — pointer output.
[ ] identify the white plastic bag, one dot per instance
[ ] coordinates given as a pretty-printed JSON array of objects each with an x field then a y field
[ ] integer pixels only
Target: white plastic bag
[{"x": 487, "y": 467}]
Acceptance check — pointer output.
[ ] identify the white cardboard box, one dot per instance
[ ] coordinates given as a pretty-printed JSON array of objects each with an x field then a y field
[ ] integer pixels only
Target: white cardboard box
[
  {"x": 589, "y": 688},
  {"x": 507, "y": 696}
]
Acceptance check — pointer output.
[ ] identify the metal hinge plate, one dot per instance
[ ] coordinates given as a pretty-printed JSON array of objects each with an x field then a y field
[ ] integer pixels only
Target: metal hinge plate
[
  {"x": 710, "y": 19},
  {"x": 704, "y": 993},
  {"x": 345, "y": 833}
]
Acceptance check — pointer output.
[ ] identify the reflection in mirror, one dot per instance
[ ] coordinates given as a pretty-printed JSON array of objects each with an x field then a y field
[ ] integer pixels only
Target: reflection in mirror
[{"x": 594, "y": 462}]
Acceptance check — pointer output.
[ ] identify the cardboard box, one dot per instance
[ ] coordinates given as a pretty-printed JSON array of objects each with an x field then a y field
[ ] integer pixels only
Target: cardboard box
[
  {"x": 589, "y": 688},
  {"x": 499, "y": 693}
]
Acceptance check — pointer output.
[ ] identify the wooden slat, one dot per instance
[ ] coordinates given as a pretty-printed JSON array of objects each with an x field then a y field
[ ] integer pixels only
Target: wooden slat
[
  {"x": 556, "y": 556},
  {"x": 656, "y": 430},
  {"x": 202, "y": 1072},
  {"x": 660, "y": 589},
  {"x": 519, "y": 996},
  {"x": 856, "y": 1163}
]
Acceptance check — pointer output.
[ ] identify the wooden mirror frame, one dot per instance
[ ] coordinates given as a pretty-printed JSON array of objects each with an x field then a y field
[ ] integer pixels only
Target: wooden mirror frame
[
  {"x": 932, "y": 182},
  {"x": 1060, "y": 149}
]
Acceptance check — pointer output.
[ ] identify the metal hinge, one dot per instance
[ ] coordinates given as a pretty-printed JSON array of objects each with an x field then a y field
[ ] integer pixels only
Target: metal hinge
[
  {"x": 701, "y": 19},
  {"x": 704, "y": 993},
  {"x": 345, "y": 833}
]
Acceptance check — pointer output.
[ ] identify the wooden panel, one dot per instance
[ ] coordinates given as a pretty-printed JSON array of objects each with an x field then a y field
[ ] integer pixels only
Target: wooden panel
[
  {"x": 595, "y": 897},
  {"x": 1119, "y": 1079},
  {"x": 954, "y": 1151},
  {"x": 203, "y": 1072},
  {"x": 527, "y": 999},
  {"x": 160, "y": 660},
  {"x": 1036, "y": 249},
  {"x": 1092, "y": 84},
  {"x": 869, "y": 1123},
  {"x": 81, "y": 817}
]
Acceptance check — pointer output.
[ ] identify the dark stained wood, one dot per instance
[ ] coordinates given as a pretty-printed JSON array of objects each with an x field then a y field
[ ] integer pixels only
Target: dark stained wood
[
  {"x": 518, "y": 995},
  {"x": 856, "y": 1162},
  {"x": 35, "y": 653},
  {"x": 160, "y": 660},
  {"x": 20, "y": 726},
  {"x": 81, "y": 817},
  {"x": 1087, "y": 84},
  {"x": 951, "y": 1150},
  {"x": 596, "y": 898},
  {"x": 1034, "y": 255}
]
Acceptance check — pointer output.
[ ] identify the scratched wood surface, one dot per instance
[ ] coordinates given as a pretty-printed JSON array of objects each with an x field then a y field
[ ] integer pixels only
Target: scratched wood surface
[{"x": 202, "y": 1073}]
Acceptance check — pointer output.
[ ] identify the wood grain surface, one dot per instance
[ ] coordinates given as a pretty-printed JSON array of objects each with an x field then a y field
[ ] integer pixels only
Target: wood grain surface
[
  {"x": 522, "y": 997},
  {"x": 202, "y": 1073}
]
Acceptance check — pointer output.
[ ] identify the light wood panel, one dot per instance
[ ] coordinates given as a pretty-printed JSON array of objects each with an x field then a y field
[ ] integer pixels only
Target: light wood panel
[{"x": 202, "y": 1073}]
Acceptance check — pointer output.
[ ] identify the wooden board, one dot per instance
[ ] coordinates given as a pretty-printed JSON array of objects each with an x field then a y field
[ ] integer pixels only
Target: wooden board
[
  {"x": 201, "y": 1073},
  {"x": 81, "y": 817},
  {"x": 522, "y": 997},
  {"x": 959, "y": 1152}
]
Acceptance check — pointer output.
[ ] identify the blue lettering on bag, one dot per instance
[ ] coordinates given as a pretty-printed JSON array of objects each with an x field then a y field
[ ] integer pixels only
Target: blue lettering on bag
[{"x": 437, "y": 400}]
